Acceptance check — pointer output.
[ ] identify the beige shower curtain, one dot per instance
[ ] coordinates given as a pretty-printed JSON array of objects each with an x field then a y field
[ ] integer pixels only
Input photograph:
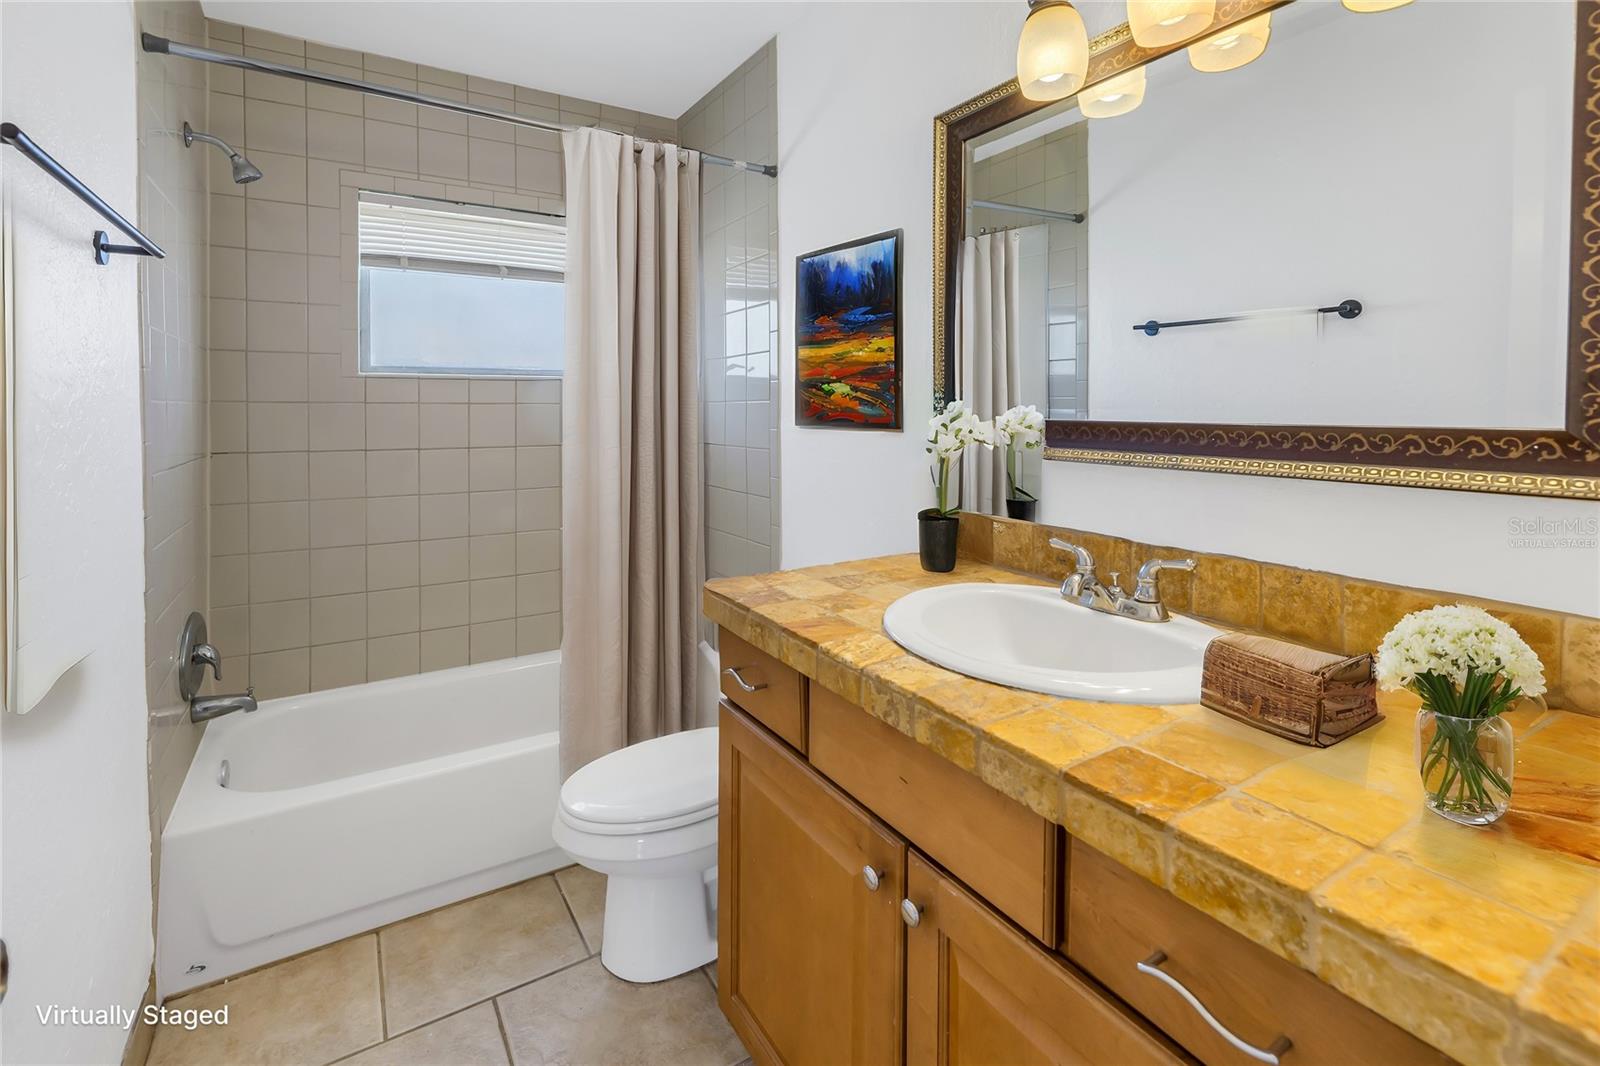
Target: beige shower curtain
[
  {"x": 630, "y": 444},
  {"x": 990, "y": 355}
]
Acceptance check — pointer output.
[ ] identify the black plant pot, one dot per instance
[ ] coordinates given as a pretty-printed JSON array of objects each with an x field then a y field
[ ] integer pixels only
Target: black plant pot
[
  {"x": 936, "y": 539},
  {"x": 1021, "y": 508}
]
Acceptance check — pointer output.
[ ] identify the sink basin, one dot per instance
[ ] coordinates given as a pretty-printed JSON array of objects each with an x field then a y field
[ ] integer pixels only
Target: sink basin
[{"x": 1029, "y": 637}]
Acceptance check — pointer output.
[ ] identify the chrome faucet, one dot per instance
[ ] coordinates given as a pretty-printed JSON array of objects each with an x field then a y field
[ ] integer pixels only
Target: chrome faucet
[
  {"x": 194, "y": 655},
  {"x": 1085, "y": 589}
]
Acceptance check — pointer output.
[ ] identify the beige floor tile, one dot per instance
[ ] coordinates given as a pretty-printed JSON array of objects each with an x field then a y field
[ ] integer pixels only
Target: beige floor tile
[
  {"x": 583, "y": 1015},
  {"x": 446, "y": 959},
  {"x": 471, "y": 1038},
  {"x": 311, "y": 1009},
  {"x": 586, "y": 895}
]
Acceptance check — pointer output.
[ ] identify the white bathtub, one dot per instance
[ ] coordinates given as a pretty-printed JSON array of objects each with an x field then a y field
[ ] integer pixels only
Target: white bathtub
[{"x": 351, "y": 808}]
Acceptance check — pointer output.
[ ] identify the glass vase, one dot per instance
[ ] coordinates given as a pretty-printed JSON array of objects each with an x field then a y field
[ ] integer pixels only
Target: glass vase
[{"x": 1466, "y": 766}]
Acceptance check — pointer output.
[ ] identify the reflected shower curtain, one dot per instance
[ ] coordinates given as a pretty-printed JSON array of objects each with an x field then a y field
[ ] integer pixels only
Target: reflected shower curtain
[
  {"x": 989, "y": 356},
  {"x": 630, "y": 444}
]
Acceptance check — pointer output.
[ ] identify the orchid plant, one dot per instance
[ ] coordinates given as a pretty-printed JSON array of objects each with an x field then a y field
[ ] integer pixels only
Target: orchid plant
[
  {"x": 1020, "y": 429},
  {"x": 950, "y": 434}
]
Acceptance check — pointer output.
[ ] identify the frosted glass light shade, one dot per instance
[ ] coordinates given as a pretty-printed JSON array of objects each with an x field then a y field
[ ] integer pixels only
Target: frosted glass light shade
[
  {"x": 1114, "y": 96},
  {"x": 1052, "y": 53},
  {"x": 1368, "y": 6},
  {"x": 1156, "y": 23},
  {"x": 1233, "y": 47}
]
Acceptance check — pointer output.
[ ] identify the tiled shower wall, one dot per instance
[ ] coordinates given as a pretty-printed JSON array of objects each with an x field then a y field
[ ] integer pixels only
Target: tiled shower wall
[
  {"x": 739, "y": 244},
  {"x": 172, "y": 206},
  {"x": 365, "y": 528}
]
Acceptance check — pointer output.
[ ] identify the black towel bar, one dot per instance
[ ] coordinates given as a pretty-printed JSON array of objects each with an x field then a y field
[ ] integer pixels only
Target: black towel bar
[
  {"x": 1344, "y": 309},
  {"x": 103, "y": 248}
]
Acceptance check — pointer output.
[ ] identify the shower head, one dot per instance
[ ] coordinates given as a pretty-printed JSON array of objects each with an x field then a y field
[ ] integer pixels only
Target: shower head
[{"x": 244, "y": 171}]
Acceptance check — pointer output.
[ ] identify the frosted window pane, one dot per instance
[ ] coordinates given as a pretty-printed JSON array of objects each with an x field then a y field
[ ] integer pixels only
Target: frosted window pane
[{"x": 422, "y": 321}]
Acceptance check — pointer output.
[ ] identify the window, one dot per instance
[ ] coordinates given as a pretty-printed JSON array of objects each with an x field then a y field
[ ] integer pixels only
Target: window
[{"x": 458, "y": 289}]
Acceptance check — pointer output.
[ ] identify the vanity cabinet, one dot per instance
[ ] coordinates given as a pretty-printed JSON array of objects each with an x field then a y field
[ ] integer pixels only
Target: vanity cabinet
[
  {"x": 809, "y": 966},
  {"x": 880, "y": 905}
]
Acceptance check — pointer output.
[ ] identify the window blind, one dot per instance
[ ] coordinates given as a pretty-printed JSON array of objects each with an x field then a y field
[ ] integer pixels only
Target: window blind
[{"x": 416, "y": 234}]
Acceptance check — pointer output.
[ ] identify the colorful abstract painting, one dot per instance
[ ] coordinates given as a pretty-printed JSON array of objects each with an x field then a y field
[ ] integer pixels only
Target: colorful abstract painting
[{"x": 847, "y": 335}]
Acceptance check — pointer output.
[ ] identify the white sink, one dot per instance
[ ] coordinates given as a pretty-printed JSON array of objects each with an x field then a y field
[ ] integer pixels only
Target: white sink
[{"x": 1029, "y": 637}]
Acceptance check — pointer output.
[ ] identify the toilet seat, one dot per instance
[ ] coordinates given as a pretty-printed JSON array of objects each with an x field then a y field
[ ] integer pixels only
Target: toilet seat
[{"x": 650, "y": 787}]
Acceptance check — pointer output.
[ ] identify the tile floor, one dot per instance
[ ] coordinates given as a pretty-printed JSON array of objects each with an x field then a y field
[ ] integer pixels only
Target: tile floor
[{"x": 511, "y": 978}]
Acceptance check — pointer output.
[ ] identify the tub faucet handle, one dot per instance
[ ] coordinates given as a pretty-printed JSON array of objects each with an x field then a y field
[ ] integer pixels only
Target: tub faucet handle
[{"x": 207, "y": 655}]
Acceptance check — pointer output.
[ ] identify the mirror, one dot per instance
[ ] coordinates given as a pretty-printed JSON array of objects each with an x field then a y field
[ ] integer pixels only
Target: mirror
[{"x": 1366, "y": 231}]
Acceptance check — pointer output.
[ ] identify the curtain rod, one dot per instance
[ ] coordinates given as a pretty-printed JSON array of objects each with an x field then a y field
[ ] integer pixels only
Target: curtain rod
[
  {"x": 1018, "y": 209},
  {"x": 152, "y": 43}
]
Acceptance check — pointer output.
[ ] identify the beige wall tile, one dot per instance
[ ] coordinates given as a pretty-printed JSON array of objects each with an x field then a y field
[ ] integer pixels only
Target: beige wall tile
[
  {"x": 393, "y": 656},
  {"x": 392, "y": 473},
  {"x": 337, "y": 426},
  {"x": 391, "y": 518},
  {"x": 338, "y": 618},
  {"x": 392, "y": 566},
  {"x": 279, "y": 576},
  {"x": 538, "y": 633},
  {"x": 493, "y": 512},
  {"x": 276, "y": 476},
  {"x": 539, "y": 593},
  {"x": 335, "y": 571},
  {"x": 337, "y": 523},
  {"x": 488, "y": 641},
  {"x": 391, "y": 425},
  {"x": 492, "y": 468},
  {"x": 442, "y": 561},
  {"x": 443, "y": 425},
  {"x": 493, "y": 555},
  {"x": 492, "y": 425},
  {"x": 494, "y": 599},
  {"x": 275, "y": 376},
  {"x": 538, "y": 509},
  {"x": 444, "y": 515},
  {"x": 277, "y": 526},
  {"x": 278, "y": 626},
  {"x": 336, "y": 665},
  {"x": 277, "y": 427},
  {"x": 538, "y": 551},
  {"x": 393, "y": 611},
  {"x": 334, "y": 475},
  {"x": 443, "y": 648},
  {"x": 445, "y": 606},
  {"x": 443, "y": 470},
  {"x": 538, "y": 424}
]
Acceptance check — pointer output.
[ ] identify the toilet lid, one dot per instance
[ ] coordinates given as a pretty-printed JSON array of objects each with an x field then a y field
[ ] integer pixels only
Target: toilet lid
[{"x": 668, "y": 777}]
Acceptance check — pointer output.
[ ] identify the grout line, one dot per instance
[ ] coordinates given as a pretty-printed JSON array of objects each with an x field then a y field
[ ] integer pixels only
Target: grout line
[
  {"x": 383, "y": 988},
  {"x": 505, "y": 1038},
  {"x": 572, "y": 914},
  {"x": 494, "y": 995}
]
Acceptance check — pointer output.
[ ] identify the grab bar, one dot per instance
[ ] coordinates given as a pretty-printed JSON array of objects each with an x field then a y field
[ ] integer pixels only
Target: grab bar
[{"x": 103, "y": 248}]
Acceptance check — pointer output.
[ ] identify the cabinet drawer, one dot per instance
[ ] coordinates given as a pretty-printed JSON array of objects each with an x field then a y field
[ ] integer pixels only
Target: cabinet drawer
[
  {"x": 771, "y": 693},
  {"x": 1117, "y": 921},
  {"x": 979, "y": 992},
  {"x": 1008, "y": 854}
]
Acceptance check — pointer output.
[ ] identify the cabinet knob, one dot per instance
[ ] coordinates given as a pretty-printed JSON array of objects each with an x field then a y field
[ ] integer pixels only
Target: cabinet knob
[
  {"x": 910, "y": 913},
  {"x": 873, "y": 878}
]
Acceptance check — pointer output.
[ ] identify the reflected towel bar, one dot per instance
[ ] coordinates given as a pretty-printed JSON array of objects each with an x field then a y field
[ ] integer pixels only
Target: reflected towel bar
[
  {"x": 103, "y": 248},
  {"x": 1344, "y": 309}
]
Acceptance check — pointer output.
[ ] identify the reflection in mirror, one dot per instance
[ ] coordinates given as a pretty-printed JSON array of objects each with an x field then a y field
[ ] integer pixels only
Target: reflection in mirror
[
  {"x": 1024, "y": 286},
  {"x": 1358, "y": 157}
]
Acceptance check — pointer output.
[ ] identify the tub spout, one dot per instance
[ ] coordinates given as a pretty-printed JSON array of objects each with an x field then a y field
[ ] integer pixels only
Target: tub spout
[{"x": 205, "y": 708}]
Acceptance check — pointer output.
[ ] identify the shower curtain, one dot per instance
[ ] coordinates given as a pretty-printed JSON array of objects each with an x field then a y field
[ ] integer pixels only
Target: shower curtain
[
  {"x": 989, "y": 356},
  {"x": 630, "y": 444}
]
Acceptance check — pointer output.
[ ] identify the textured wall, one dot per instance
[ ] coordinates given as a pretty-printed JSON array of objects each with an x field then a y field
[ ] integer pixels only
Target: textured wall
[{"x": 365, "y": 528}]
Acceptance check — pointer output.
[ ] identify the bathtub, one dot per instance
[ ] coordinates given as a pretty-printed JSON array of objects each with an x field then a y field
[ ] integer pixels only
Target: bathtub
[{"x": 344, "y": 810}]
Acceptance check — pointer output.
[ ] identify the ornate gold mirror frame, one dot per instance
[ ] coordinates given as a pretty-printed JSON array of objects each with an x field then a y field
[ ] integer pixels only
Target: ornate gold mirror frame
[{"x": 1563, "y": 462}]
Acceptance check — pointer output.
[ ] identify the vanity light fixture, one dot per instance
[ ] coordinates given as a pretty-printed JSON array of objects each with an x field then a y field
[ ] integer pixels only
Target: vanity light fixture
[
  {"x": 1233, "y": 47},
  {"x": 1053, "y": 51},
  {"x": 1157, "y": 23},
  {"x": 1114, "y": 96},
  {"x": 1370, "y": 6}
]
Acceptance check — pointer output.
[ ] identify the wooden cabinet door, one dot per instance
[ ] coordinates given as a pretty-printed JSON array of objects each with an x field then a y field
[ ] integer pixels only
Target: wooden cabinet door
[
  {"x": 978, "y": 991},
  {"x": 810, "y": 958}
]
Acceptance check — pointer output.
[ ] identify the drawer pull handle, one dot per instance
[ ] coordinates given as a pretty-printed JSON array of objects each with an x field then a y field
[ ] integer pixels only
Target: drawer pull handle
[
  {"x": 733, "y": 672},
  {"x": 1271, "y": 1055},
  {"x": 910, "y": 913},
  {"x": 872, "y": 877}
]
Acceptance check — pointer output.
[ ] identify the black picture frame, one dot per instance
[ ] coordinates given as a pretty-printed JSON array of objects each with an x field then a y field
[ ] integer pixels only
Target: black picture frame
[{"x": 887, "y": 381}]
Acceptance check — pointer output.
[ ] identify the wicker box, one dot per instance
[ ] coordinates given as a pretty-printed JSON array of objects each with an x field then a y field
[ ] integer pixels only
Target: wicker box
[{"x": 1308, "y": 696}]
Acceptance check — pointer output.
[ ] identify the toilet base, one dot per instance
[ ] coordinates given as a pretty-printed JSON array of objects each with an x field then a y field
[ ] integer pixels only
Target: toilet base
[{"x": 659, "y": 927}]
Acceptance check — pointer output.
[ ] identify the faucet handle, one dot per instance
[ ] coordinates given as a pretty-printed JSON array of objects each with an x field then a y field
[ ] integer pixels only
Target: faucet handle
[
  {"x": 1084, "y": 559},
  {"x": 207, "y": 655},
  {"x": 1146, "y": 590}
]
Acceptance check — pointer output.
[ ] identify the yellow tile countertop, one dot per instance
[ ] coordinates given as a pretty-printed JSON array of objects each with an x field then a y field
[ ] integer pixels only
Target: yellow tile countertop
[{"x": 1483, "y": 942}]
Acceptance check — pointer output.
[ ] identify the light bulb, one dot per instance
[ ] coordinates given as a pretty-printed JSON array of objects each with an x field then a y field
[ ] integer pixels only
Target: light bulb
[
  {"x": 1234, "y": 47},
  {"x": 1114, "y": 96},
  {"x": 1053, "y": 51},
  {"x": 1156, "y": 23}
]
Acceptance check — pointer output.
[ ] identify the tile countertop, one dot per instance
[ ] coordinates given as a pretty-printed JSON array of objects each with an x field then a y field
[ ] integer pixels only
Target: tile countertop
[{"x": 1482, "y": 942}]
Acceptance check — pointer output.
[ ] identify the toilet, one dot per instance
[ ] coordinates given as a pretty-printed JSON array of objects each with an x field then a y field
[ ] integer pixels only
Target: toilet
[{"x": 646, "y": 817}]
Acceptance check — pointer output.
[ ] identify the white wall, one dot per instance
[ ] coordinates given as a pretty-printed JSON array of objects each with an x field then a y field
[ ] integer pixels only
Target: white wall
[
  {"x": 75, "y": 858},
  {"x": 858, "y": 87}
]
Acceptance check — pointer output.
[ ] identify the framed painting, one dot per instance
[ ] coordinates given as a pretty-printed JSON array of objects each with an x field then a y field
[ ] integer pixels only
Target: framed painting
[{"x": 847, "y": 335}]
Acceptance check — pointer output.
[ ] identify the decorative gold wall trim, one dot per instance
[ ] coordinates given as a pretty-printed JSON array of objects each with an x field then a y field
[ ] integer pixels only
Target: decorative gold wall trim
[
  {"x": 1560, "y": 486},
  {"x": 1558, "y": 462}
]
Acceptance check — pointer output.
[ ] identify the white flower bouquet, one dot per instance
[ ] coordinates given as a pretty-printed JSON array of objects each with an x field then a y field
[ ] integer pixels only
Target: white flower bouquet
[
  {"x": 950, "y": 434},
  {"x": 1019, "y": 429},
  {"x": 1468, "y": 667}
]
